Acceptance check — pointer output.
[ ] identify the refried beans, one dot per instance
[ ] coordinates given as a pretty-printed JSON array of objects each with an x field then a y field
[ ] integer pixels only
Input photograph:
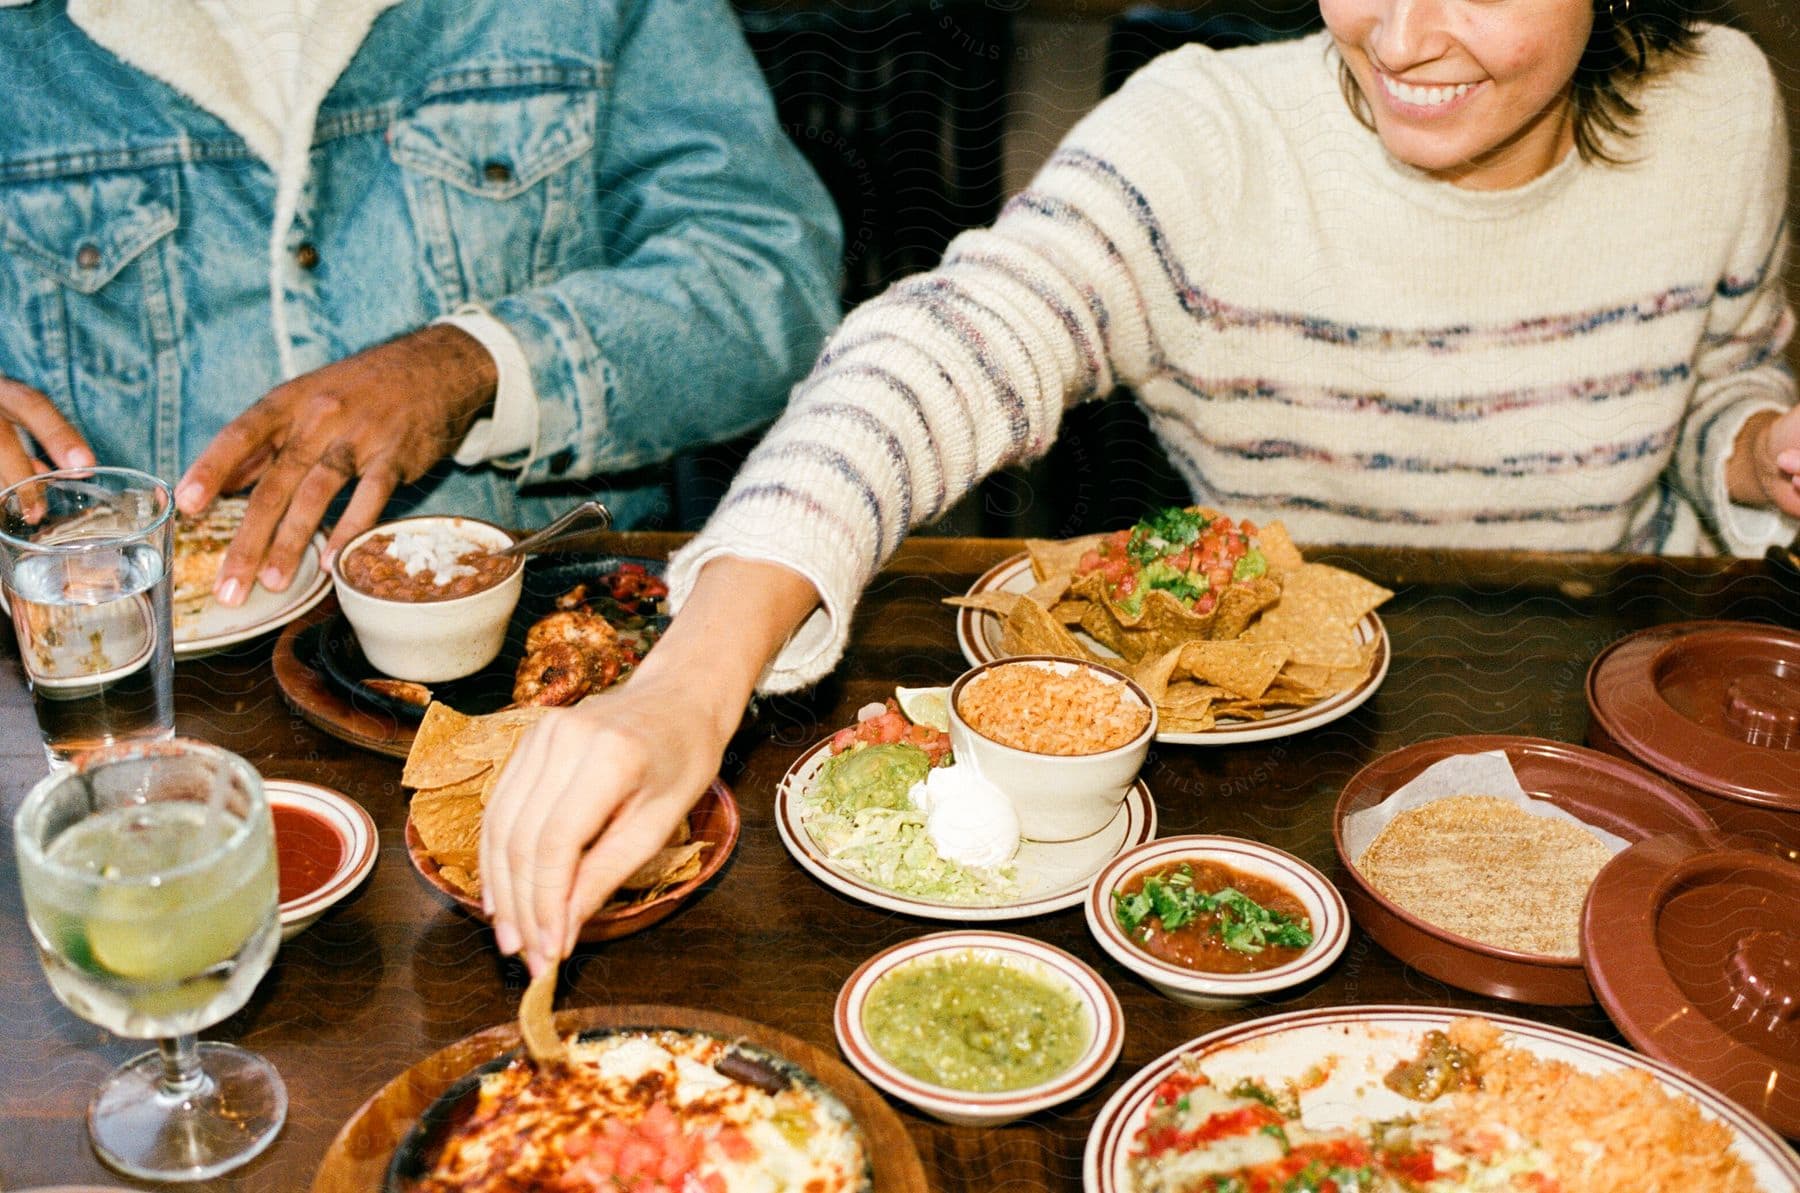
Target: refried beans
[{"x": 423, "y": 566}]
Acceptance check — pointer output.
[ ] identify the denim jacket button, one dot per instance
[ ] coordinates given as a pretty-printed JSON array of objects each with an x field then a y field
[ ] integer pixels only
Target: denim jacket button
[
  {"x": 497, "y": 172},
  {"x": 306, "y": 256},
  {"x": 87, "y": 256}
]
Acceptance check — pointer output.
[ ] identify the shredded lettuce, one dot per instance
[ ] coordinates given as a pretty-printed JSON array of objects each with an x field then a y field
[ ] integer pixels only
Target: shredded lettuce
[{"x": 889, "y": 848}]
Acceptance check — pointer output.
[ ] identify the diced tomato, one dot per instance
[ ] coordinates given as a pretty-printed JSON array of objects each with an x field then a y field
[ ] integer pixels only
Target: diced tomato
[
  {"x": 1205, "y": 603},
  {"x": 1088, "y": 562},
  {"x": 1116, "y": 542},
  {"x": 735, "y": 1144},
  {"x": 1414, "y": 1166},
  {"x": 842, "y": 740},
  {"x": 1218, "y": 578}
]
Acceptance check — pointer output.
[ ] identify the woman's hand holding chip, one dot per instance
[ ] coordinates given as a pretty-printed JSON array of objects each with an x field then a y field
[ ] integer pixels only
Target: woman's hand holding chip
[{"x": 592, "y": 792}]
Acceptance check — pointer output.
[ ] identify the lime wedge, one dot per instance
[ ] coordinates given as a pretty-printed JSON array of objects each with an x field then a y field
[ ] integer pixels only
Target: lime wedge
[
  {"x": 136, "y": 933},
  {"x": 925, "y": 706}
]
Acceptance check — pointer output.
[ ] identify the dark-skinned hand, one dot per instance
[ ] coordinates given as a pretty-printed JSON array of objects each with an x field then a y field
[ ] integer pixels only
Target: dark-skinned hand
[
  {"x": 380, "y": 418},
  {"x": 23, "y": 408}
]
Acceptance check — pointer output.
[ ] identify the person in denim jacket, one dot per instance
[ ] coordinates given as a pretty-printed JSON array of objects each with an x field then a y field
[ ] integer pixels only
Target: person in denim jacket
[{"x": 461, "y": 255}]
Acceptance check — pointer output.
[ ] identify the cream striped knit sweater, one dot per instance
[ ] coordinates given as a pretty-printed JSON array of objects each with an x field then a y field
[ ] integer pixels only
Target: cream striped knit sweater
[{"x": 1317, "y": 332}]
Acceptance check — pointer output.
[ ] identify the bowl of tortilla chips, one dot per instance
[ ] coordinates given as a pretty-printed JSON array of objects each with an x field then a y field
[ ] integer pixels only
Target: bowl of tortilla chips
[
  {"x": 1228, "y": 627},
  {"x": 452, "y": 767}
]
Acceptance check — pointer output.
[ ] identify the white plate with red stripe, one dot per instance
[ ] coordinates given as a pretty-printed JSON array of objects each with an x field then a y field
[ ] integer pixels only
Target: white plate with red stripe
[{"x": 1337, "y": 1057}]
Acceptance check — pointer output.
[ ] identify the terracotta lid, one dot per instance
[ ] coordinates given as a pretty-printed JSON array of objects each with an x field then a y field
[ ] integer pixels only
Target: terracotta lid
[
  {"x": 1713, "y": 704},
  {"x": 1692, "y": 943}
]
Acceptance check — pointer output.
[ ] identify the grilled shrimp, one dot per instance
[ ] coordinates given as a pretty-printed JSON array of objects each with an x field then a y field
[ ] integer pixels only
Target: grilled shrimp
[
  {"x": 581, "y": 628},
  {"x": 555, "y": 673}
]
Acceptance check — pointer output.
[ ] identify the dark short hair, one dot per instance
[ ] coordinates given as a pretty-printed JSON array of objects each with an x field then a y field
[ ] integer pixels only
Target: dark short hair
[{"x": 1629, "y": 42}]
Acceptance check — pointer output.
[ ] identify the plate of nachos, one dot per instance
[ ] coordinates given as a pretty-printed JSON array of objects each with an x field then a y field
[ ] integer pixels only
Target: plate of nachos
[{"x": 1235, "y": 635}]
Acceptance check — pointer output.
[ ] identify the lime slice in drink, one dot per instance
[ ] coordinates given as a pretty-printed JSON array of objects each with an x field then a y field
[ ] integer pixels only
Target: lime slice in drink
[
  {"x": 925, "y": 706},
  {"x": 134, "y": 933}
]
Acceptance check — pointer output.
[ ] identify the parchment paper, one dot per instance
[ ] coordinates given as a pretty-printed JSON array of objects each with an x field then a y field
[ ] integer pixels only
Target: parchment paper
[{"x": 1460, "y": 774}]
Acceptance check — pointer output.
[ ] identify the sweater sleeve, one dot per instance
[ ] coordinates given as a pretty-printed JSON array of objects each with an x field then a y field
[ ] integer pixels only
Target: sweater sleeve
[
  {"x": 1739, "y": 369},
  {"x": 721, "y": 266},
  {"x": 953, "y": 374}
]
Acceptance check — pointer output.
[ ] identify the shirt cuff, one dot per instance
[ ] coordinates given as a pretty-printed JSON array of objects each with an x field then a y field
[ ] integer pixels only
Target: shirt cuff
[
  {"x": 1748, "y": 529},
  {"x": 511, "y": 430}
]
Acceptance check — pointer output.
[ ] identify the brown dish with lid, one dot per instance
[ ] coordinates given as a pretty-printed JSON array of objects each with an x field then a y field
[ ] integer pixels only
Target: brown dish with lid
[
  {"x": 1714, "y": 707},
  {"x": 1597, "y": 789}
]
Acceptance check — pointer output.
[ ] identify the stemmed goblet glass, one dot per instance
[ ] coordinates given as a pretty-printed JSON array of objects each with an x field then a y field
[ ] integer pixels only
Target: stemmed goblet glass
[{"x": 149, "y": 879}]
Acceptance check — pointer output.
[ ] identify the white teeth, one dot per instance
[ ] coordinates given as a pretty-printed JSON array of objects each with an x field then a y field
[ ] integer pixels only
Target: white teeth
[{"x": 1423, "y": 97}]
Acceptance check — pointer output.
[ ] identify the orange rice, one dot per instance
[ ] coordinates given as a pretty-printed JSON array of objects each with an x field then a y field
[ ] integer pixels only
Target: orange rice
[
  {"x": 1618, "y": 1132},
  {"x": 1035, "y": 708}
]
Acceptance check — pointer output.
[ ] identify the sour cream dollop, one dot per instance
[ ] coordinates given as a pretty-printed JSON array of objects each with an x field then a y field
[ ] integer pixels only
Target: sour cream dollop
[{"x": 968, "y": 819}]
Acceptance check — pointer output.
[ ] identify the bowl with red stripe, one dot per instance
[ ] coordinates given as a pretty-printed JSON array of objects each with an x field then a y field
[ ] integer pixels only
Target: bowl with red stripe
[
  {"x": 1000, "y": 1026},
  {"x": 325, "y": 845}
]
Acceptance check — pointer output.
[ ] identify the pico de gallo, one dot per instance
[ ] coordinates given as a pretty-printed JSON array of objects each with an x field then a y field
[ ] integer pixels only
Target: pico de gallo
[{"x": 1191, "y": 554}]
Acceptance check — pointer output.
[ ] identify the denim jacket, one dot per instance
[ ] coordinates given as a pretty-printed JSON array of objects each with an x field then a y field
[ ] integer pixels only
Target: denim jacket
[{"x": 606, "y": 177}]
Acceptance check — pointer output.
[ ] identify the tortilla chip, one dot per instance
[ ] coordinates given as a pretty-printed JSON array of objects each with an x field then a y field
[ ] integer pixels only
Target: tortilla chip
[
  {"x": 537, "y": 1021},
  {"x": 1279, "y": 550},
  {"x": 995, "y": 600},
  {"x": 449, "y": 826},
  {"x": 667, "y": 867},
  {"x": 1059, "y": 557},
  {"x": 1049, "y": 590},
  {"x": 464, "y": 880},
  {"x": 433, "y": 761},
  {"x": 1029, "y": 629}
]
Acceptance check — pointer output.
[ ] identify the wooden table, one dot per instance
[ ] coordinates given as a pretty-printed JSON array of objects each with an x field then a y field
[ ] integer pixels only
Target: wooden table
[{"x": 1482, "y": 643}]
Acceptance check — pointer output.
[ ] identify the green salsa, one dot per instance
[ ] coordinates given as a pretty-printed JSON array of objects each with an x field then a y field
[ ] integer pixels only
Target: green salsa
[{"x": 977, "y": 1025}]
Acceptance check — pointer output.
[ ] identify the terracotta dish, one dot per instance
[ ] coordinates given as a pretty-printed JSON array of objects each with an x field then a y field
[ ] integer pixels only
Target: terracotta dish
[
  {"x": 1596, "y": 788},
  {"x": 1693, "y": 946},
  {"x": 714, "y": 819},
  {"x": 1715, "y": 706}
]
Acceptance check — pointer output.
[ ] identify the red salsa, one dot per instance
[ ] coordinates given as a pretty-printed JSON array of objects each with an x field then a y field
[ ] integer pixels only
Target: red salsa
[
  {"x": 308, "y": 851},
  {"x": 1212, "y": 918}
]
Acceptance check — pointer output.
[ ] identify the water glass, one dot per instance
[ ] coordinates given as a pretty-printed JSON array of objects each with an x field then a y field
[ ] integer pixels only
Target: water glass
[
  {"x": 85, "y": 557},
  {"x": 149, "y": 877}
]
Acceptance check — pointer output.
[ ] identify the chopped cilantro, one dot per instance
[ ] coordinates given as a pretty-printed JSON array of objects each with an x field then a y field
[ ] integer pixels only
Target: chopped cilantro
[
  {"x": 1256, "y": 1092},
  {"x": 1243, "y": 924},
  {"x": 1154, "y": 537}
]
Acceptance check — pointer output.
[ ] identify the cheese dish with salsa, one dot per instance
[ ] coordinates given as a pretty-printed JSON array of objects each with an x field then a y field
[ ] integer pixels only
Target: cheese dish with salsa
[{"x": 652, "y": 1111}]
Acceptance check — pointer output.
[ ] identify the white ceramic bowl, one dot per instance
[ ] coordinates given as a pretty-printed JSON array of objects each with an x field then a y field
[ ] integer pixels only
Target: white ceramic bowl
[
  {"x": 431, "y": 641},
  {"x": 324, "y": 835},
  {"x": 1325, "y": 910},
  {"x": 1106, "y": 1024},
  {"x": 1059, "y": 797}
]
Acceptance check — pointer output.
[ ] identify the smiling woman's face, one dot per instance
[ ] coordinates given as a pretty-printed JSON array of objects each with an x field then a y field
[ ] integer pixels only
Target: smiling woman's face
[{"x": 1475, "y": 92}]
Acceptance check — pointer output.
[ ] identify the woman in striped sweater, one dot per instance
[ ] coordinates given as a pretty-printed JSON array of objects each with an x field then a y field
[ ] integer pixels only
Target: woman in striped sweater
[{"x": 1476, "y": 272}]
